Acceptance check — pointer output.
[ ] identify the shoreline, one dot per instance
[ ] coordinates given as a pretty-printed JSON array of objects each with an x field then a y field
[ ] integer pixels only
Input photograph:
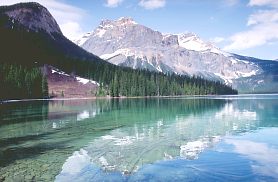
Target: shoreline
[{"x": 125, "y": 97}]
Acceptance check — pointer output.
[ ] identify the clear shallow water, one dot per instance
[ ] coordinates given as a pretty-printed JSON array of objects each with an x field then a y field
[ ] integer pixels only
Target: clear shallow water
[{"x": 227, "y": 138}]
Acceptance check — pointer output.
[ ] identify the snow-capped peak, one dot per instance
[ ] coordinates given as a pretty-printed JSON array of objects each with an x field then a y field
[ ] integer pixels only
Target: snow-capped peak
[
  {"x": 104, "y": 26},
  {"x": 123, "y": 21},
  {"x": 126, "y": 20},
  {"x": 191, "y": 41}
]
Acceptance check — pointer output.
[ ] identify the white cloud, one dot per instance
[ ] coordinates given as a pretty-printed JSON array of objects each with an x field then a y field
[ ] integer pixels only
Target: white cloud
[
  {"x": 152, "y": 4},
  {"x": 265, "y": 16},
  {"x": 113, "y": 3},
  {"x": 217, "y": 39},
  {"x": 72, "y": 30},
  {"x": 272, "y": 3},
  {"x": 67, "y": 16},
  {"x": 257, "y": 36},
  {"x": 263, "y": 27}
]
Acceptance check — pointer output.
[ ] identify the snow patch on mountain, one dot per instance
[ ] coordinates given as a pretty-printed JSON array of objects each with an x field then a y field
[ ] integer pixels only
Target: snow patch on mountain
[
  {"x": 84, "y": 81},
  {"x": 126, "y": 52},
  {"x": 100, "y": 32},
  {"x": 192, "y": 42},
  {"x": 227, "y": 80},
  {"x": 59, "y": 72},
  {"x": 126, "y": 20},
  {"x": 242, "y": 74}
]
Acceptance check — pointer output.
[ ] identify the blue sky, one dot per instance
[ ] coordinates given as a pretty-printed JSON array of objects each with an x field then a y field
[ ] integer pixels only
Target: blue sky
[{"x": 247, "y": 27}]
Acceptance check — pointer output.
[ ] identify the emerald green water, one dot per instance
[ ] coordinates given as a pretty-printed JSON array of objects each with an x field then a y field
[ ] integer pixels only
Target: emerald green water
[{"x": 228, "y": 138}]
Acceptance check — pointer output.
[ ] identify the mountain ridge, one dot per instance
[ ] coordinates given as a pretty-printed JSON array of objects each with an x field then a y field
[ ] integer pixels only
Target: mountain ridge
[
  {"x": 123, "y": 33},
  {"x": 124, "y": 42}
]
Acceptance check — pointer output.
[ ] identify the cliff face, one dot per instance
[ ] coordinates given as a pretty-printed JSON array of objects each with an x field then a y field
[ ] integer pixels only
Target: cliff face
[{"x": 31, "y": 16}]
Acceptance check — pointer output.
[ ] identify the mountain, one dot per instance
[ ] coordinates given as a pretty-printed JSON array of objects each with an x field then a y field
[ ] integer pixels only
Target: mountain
[
  {"x": 126, "y": 43},
  {"x": 31, "y": 38},
  {"x": 33, "y": 44},
  {"x": 36, "y": 19},
  {"x": 32, "y": 16}
]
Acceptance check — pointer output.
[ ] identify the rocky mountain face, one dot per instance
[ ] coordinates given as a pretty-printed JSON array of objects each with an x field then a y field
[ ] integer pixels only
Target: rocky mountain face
[
  {"x": 126, "y": 43},
  {"x": 32, "y": 16}
]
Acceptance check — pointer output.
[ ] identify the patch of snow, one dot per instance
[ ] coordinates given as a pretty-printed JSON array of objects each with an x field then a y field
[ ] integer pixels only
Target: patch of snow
[
  {"x": 82, "y": 80},
  {"x": 59, "y": 72},
  {"x": 108, "y": 26},
  {"x": 100, "y": 32},
  {"x": 216, "y": 51},
  {"x": 191, "y": 41},
  {"x": 253, "y": 72},
  {"x": 125, "y": 52},
  {"x": 246, "y": 62},
  {"x": 237, "y": 74},
  {"x": 85, "y": 81},
  {"x": 166, "y": 35},
  {"x": 234, "y": 61},
  {"x": 190, "y": 44},
  {"x": 108, "y": 56},
  {"x": 126, "y": 20},
  {"x": 228, "y": 80},
  {"x": 159, "y": 69},
  {"x": 79, "y": 79},
  {"x": 227, "y": 54}
]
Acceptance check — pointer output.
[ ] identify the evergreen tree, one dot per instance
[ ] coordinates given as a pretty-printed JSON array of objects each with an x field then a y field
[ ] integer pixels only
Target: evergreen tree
[{"x": 18, "y": 82}]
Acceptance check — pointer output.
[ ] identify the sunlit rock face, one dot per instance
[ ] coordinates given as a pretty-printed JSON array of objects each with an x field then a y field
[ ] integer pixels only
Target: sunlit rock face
[{"x": 127, "y": 43}]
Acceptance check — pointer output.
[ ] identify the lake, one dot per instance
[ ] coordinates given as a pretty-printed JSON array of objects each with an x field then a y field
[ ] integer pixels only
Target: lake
[{"x": 213, "y": 138}]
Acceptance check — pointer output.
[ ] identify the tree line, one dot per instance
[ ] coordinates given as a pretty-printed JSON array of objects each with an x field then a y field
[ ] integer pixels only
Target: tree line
[
  {"x": 19, "y": 82},
  {"x": 122, "y": 81}
]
